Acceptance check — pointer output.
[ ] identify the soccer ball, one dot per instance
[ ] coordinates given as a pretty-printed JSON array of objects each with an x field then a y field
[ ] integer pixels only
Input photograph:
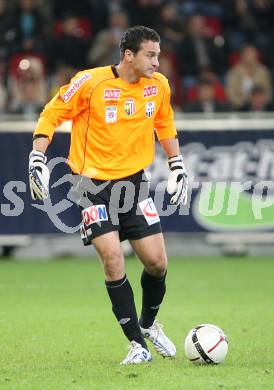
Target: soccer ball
[{"x": 206, "y": 344}]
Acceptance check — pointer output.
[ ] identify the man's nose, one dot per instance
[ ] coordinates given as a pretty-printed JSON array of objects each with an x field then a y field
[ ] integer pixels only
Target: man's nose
[{"x": 156, "y": 62}]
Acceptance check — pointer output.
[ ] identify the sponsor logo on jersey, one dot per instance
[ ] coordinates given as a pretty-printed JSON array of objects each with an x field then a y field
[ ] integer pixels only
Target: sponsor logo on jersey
[
  {"x": 95, "y": 213},
  {"x": 150, "y": 90},
  {"x": 130, "y": 106},
  {"x": 111, "y": 94},
  {"x": 111, "y": 114},
  {"x": 149, "y": 211},
  {"x": 75, "y": 86},
  {"x": 150, "y": 108}
]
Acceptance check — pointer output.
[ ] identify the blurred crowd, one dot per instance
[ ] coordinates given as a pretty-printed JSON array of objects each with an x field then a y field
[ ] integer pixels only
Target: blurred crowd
[{"x": 217, "y": 55}]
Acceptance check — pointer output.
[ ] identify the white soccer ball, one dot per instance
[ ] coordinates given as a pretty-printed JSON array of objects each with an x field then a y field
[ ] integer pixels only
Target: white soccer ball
[{"x": 206, "y": 344}]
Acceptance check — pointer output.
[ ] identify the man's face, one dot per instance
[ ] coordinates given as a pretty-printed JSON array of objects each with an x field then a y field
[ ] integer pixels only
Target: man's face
[
  {"x": 206, "y": 93},
  {"x": 145, "y": 62},
  {"x": 249, "y": 55}
]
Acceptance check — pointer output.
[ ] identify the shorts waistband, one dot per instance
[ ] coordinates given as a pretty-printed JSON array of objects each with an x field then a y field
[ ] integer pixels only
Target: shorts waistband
[{"x": 130, "y": 177}]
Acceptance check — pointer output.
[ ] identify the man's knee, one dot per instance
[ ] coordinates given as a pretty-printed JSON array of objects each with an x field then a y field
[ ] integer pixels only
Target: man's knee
[
  {"x": 157, "y": 265},
  {"x": 113, "y": 262}
]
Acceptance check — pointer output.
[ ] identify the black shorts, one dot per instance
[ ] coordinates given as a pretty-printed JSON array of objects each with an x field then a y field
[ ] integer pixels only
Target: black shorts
[{"x": 122, "y": 205}]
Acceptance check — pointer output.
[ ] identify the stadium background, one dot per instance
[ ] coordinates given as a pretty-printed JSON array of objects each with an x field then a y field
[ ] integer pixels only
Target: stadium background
[
  {"x": 219, "y": 59},
  {"x": 57, "y": 329}
]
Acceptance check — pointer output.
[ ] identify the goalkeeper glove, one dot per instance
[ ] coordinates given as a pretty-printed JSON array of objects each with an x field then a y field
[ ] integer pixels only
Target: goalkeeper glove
[
  {"x": 38, "y": 175},
  {"x": 177, "y": 180}
]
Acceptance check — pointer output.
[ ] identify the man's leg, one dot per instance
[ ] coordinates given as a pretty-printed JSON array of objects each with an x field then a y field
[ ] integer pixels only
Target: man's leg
[
  {"x": 119, "y": 290},
  {"x": 152, "y": 253}
]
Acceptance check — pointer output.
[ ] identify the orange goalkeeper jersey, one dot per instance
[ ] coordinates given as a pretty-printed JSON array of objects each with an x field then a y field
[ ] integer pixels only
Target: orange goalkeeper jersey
[{"x": 113, "y": 121}]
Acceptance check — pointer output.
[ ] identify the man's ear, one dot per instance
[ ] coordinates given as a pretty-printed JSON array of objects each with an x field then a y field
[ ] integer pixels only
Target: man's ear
[{"x": 128, "y": 55}]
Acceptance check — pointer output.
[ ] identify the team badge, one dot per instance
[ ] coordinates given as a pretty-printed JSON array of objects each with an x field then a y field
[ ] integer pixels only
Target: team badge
[
  {"x": 150, "y": 108},
  {"x": 111, "y": 114},
  {"x": 130, "y": 106},
  {"x": 149, "y": 211}
]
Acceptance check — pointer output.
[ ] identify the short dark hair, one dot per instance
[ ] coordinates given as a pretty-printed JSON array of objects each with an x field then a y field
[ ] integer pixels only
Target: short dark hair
[
  {"x": 205, "y": 83},
  {"x": 134, "y": 36}
]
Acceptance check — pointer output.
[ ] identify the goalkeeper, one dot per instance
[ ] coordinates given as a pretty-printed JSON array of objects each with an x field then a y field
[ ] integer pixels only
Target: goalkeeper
[{"x": 114, "y": 111}]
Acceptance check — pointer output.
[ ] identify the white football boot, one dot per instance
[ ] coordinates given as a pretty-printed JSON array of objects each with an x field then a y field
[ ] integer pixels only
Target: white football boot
[
  {"x": 161, "y": 342},
  {"x": 137, "y": 354}
]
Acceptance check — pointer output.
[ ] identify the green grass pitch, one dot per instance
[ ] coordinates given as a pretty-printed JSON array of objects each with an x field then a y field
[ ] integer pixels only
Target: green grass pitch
[{"x": 57, "y": 330}]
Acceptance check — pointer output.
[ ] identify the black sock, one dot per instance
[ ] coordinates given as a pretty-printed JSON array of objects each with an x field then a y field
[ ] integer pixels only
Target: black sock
[
  {"x": 154, "y": 289},
  {"x": 123, "y": 306}
]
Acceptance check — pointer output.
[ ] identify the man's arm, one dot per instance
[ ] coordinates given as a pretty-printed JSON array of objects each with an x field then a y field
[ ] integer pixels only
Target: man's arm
[
  {"x": 65, "y": 105},
  {"x": 40, "y": 144},
  {"x": 69, "y": 102},
  {"x": 167, "y": 135},
  {"x": 38, "y": 170},
  {"x": 171, "y": 146},
  {"x": 177, "y": 181}
]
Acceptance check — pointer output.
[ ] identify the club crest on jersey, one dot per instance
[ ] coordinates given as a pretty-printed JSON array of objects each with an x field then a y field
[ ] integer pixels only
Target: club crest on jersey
[
  {"x": 111, "y": 114},
  {"x": 150, "y": 108},
  {"x": 149, "y": 211},
  {"x": 130, "y": 106},
  {"x": 150, "y": 90},
  {"x": 93, "y": 214},
  {"x": 111, "y": 94},
  {"x": 76, "y": 84}
]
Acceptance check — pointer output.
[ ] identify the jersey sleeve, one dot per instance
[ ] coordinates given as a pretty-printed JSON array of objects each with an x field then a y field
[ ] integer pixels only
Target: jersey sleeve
[
  {"x": 164, "y": 120},
  {"x": 66, "y": 104}
]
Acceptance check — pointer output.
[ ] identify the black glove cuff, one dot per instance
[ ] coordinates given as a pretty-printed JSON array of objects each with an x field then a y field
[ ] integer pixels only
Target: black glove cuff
[{"x": 175, "y": 162}]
